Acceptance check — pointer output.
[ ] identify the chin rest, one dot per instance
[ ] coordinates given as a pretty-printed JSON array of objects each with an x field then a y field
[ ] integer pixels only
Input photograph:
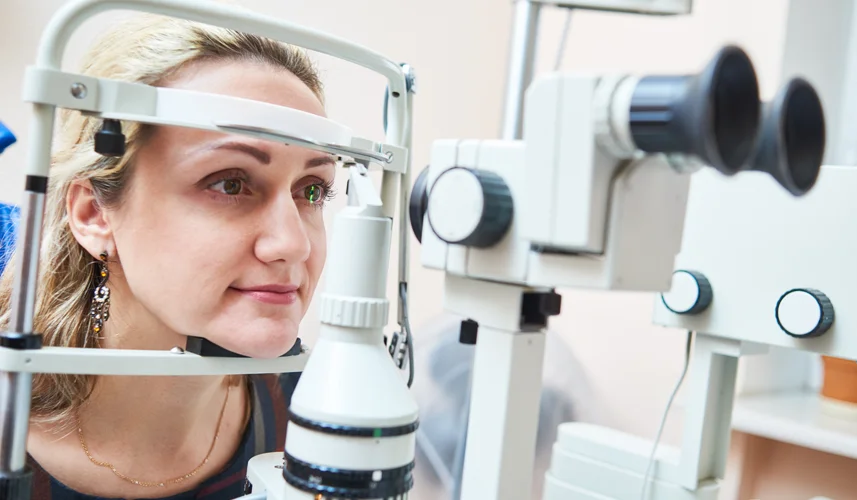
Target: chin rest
[{"x": 204, "y": 347}]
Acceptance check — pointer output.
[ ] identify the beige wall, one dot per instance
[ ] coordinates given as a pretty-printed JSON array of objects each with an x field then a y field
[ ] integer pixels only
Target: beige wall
[{"x": 459, "y": 50}]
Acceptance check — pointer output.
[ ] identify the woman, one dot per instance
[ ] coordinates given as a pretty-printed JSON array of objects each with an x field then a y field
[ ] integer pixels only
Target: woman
[{"x": 193, "y": 233}]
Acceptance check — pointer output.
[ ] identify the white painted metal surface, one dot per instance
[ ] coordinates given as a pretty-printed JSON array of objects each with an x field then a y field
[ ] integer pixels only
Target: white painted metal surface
[
  {"x": 136, "y": 362},
  {"x": 754, "y": 242},
  {"x": 505, "y": 389}
]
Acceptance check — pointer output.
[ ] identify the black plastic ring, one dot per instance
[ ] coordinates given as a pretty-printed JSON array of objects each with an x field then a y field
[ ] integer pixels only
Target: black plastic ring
[
  {"x": 345, "y": 483},
  {"x": 36, "y": 184},
  {"x": 16, "y": 485},
  {"x": 348, "y": 430},
  {"x": 20, "y": 341}
]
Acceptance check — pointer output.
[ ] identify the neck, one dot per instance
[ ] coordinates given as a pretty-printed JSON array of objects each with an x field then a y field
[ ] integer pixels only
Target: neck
[
  {"x": 156, "y": 415},
  {"x": 153, "y": 415}
]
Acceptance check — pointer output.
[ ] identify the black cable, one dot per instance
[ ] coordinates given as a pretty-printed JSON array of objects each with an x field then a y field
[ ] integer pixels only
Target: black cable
[{"x": 406, "y": 326}]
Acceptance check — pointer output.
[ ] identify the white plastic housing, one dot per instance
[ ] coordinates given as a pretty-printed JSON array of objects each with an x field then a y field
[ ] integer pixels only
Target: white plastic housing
[
  {"x": 598, "y": 463},
  {"x": 644, "y": 206},
  {"x": 355, "y": 293},
  {"x": 568, "y": 177},
  {"x": 754, "y": 242},
  {"x": 643, "y": 235},
  {"x": 351, "y": 380},
  {"x": 507, "y": 259}
]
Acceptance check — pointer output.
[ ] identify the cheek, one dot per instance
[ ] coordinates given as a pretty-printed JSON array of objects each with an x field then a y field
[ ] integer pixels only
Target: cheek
[
  {"x": 318, "y": 254},
  {"x": 169, "y": 264}
]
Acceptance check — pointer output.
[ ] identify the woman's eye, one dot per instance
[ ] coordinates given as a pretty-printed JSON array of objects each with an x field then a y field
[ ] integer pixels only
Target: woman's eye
[
  {"x": 314, "y": 193},
  {"x": 232, "y": 187}
]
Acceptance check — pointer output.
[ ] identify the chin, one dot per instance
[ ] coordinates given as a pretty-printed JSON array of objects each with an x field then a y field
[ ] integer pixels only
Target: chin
[{"x": 260, "y": 343}]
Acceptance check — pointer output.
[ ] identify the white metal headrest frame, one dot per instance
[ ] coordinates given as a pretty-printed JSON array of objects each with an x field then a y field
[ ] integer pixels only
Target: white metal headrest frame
[
  {"x": 47, "y": 87},
  {"x": 113, "y": 99}
]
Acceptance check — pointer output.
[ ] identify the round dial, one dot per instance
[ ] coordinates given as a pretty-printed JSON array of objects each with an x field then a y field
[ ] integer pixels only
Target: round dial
[
  {"x": 804, "y": 312},
  {"x": 470, "y": 207},
  {"x": 690, "y": 293}
]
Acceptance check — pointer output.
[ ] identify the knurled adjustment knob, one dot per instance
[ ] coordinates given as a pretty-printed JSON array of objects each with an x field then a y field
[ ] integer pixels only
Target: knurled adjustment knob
[
  {"x": 470, "y": 207},
  {"x": 804, "y": 312},
  {"x": 110, "y": 141},
  {"x": 690, "y": 293}
]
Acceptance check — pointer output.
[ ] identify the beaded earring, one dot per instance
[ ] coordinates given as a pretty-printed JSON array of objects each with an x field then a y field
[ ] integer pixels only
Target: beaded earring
[{"x": 99, "y": 311}]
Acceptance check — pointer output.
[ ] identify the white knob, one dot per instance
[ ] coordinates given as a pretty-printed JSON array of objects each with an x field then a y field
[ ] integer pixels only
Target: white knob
[
  {"x": 690, "y": 293},
  {"x": 470, "y": 207},
  {"x": 804, "y": 312}
]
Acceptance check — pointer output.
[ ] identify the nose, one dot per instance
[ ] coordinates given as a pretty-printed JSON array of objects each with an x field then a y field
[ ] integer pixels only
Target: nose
[{"x": 283, "y": 234}]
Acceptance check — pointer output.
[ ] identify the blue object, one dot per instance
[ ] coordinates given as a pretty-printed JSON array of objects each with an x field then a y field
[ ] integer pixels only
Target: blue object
[
  {"x": 7, "y": 138},
  {"x": 9, "y": 216}
]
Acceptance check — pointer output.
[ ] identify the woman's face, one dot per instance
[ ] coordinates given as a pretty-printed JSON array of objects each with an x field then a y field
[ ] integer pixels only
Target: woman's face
[{"x": 221, "y": 236}]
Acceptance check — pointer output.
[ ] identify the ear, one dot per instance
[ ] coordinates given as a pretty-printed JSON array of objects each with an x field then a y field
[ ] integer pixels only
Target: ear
[{"x": 87, "y": 219}]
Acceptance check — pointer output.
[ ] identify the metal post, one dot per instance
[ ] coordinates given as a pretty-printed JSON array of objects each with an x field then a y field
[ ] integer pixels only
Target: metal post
[
  {"x": 521, "y": 57},
  {"x": 15, "y": 390}
]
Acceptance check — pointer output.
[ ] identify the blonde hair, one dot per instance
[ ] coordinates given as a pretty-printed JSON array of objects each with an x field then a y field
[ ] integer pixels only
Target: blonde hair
[{"x": 146, "y": 49}]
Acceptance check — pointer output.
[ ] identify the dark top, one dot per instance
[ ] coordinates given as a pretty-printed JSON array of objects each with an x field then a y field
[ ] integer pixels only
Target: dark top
[{"x": 265, "y": 433}]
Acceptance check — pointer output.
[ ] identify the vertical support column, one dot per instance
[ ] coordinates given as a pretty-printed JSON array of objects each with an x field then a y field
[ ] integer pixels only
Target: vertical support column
[
  {"x": 506, "y": 384},
  {"x": 504, "y": 414},
  {"x": 522, "y": 53},
  {"x": 708, "y": 415}
]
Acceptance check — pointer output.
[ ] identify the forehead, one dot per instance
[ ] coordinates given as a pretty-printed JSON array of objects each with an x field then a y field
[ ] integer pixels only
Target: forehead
[{"x": 249, "y": 80}]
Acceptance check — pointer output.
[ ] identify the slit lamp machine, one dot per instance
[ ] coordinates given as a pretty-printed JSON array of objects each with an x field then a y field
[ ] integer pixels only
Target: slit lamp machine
[{"x": 610, "y": 182}]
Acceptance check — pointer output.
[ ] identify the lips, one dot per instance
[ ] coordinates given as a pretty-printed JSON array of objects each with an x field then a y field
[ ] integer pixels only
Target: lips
[{"x": 271, "y": 294}]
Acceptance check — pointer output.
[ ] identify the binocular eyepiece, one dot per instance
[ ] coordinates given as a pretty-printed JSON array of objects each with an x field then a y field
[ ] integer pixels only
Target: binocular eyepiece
[
  {"x": 790, "y": 145},
  {"x": 717, "y": 118}
]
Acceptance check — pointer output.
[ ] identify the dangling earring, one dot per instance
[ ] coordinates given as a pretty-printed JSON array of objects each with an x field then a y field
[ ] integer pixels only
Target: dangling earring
[{"x": 99, "y": 312}]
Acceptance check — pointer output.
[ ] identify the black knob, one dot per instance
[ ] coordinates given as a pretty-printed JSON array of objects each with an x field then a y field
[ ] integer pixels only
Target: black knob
[
  {"x": 690, "y": 293},
  {"x": 468, "y": 332},
  {"x": 804, "y": 313},
  {"x": 110, "y": 141},
  {"x": 418, "y": 204},
  {"x": 470, "y": 207}
]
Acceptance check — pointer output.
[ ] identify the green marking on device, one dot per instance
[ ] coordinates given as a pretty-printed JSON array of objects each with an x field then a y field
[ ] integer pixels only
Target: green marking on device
[{"x": 377, "y": 433}]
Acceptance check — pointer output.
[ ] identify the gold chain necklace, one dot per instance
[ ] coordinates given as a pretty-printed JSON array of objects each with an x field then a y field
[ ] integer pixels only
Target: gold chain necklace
[{"x": 174, "y": 480}]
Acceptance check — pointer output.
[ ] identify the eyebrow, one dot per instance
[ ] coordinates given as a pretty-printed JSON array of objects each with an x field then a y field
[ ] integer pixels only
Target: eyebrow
[
  {"x": 265, "y": 158},
  {"x": 318, "y": 161},
  {"x": 255, "y": 152}
]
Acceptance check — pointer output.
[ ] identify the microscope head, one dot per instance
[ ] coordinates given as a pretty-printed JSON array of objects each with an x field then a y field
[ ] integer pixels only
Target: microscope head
[{"x": 594, "y": 196}]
